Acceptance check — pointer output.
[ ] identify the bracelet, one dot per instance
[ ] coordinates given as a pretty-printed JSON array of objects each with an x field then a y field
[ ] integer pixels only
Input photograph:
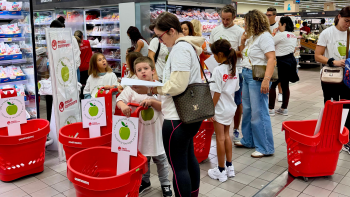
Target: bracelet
[
  {"x": 267, "y": 77},
  {"x": 330, "y": 62}
]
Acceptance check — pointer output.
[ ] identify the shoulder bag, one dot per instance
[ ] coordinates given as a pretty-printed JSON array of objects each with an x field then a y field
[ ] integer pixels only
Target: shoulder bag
[{"x": 195, "y": 104}]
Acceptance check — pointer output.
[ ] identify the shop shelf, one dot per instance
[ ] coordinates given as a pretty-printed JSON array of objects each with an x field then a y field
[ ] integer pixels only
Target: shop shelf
[
  {"x": 113, "y": 60},
  {"x": 98, "y": 22},
  {"x": 103, "y": 34},
  {"x": 47, "y": 23},
  {"x": 202, "y": 21},
  {"x": 8, "y": 62},
  {"x": 12, "y": 39},
  {"x": 106, "y": 46},
  {"x": 6, "y": 17},
  {"x": 206, "y": 34},
  {"x": 14, "y": 82}
]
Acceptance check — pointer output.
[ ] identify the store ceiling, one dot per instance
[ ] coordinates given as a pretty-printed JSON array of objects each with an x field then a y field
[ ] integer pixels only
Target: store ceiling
[{"x": 312, "y": 5}]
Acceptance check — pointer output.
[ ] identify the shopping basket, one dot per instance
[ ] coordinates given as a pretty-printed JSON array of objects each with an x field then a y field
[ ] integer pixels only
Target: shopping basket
[
  {"x": 202, "y": 140},
  {"x": 24, "y": 154},
  {"x": 312, "y": 155},
  {"x": 75, "y": 138}
]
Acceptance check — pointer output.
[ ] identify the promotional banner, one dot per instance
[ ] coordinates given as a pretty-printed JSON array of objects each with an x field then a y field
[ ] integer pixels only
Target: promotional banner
[
  {"x": 63, "y": 72},
  {"x": 94, "y": 115},
  {"x": 12, "y": 114}
]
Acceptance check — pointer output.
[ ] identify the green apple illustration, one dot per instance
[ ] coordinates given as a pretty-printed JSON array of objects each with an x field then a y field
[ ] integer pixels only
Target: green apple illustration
[
  {"x": 64, "y": 72},
  {"x": 39, "y": 85},
  {"x": 68, "y": 122},
  {"x": 147, "y": 114},
  {"x": 11, "y": 109},
  {"x": 124, "y": 132},
  {"x": 342, "y": 49},
  {"x": 93, "y": 110}
]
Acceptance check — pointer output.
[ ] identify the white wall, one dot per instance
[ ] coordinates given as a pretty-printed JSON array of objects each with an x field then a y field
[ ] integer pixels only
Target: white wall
[
  {"x": 127, "y": 19},
  {"x": 244, "y": 8}
]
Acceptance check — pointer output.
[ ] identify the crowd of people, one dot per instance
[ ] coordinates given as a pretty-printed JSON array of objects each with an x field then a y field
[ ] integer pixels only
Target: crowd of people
[{"x": 244, "y": 83}]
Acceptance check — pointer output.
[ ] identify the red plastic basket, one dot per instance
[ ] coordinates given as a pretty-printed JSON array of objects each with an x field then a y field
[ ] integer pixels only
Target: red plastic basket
[
  {"x": 202, "y": 141},
  {"x": 24, "y": 154},
  {"x": 93, "y": 173}
]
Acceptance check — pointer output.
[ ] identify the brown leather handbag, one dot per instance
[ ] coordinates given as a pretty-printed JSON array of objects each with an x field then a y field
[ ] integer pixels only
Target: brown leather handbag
[{"x": 195, "y": 104}]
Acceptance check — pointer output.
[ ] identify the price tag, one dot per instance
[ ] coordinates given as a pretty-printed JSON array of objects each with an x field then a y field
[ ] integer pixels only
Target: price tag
[{"x": 9, "y": 39}]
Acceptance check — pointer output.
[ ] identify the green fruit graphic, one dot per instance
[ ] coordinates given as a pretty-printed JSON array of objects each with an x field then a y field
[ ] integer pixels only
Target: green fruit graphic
[
  {"x": 147, "y": 114},
  {"x": 166, "y": 57},
  {"x": 246, "y": 53},
  {"x": 93, "y": 110},
  {"x": 342, "y": 50},
  {"x": 68, "y": 122},
  {"x": 64, "y": 72},
  {"x": 124, "y": 132},
  {"x": 39, "y": 86},
  {"x": 11, "y": 109}
]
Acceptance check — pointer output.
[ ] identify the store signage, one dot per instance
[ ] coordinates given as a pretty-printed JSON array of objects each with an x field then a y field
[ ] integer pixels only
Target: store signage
[
  {"x": 124, "y": 140},
  {"x": 94, "y": 115},
  {"x": 12, "y": 114}
]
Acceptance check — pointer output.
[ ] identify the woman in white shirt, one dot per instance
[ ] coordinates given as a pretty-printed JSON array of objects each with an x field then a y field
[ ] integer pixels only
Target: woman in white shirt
[
  {"x": 258, "y": 46},
  {"x": 331, "y": 50},
  {"x": 285, "y": 43},
  {"x": 140, "y": 44}
]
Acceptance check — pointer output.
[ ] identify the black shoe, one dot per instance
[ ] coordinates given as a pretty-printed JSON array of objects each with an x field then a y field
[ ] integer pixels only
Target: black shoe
[
  {"x": 167, "y": 191},
  {"x": 144, "y": 186}
]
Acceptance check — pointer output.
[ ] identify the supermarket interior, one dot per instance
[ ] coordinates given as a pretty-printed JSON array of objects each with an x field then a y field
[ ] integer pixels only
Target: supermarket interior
[{"x": 54, "y": 155}]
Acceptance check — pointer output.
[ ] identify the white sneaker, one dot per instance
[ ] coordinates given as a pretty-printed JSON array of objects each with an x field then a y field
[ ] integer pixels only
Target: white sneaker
[
  {"x": 272, "y": 112},
  {"x": 257, "y": 154},
  {"x": 280, "y": 99},
  {"x": 217, "y": 175},
  {"x": 283, "y": 112},
  {"x": 230, "y": 171}
]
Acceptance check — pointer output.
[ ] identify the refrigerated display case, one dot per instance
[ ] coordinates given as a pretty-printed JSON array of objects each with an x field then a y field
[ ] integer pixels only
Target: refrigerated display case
[
  {"x": 42, "y": 20},
  {"x": 17, "y": 55},
  {"x": 74, "y": 18}
]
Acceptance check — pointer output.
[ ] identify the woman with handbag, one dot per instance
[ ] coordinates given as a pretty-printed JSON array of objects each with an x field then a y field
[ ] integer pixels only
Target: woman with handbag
[
  {"x": 258, "y": 70},
  {"x": 331, "y": 51},
  {"x": 183, "y": 99},
  {"x": 285, "y": 43}
]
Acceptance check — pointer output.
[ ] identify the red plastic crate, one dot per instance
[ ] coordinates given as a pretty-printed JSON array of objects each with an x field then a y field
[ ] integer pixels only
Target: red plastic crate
[
  {"x": 23, "y": 154},
  {"x": 202, "y": 141},
  {"x": 93, "y": 173}
]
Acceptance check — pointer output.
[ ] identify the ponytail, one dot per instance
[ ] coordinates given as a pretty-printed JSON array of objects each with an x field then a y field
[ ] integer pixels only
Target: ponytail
[
  {"x": 224, "y": 47},
  {"x": 79, "y": 36},
  {"x": 232, "y": 61}
]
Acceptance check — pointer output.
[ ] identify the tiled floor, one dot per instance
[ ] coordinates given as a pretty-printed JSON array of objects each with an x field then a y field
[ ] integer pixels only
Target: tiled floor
[{"x": 252, "y": 175}]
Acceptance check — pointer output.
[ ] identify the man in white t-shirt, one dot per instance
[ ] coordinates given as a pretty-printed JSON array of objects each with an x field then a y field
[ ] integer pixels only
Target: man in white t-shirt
[{"x": 232, "y": 33}]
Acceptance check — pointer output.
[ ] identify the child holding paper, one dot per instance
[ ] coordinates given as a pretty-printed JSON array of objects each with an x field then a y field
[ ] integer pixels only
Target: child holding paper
[
  {"x": 223, "y": 90},
  {"x": 150, "y": 125},
  {"x": 130, "y": 58}
]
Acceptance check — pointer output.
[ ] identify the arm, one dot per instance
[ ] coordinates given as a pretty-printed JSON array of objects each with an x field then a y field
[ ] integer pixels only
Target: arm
[
  {"x": 216, "y": 98},
  {"x": 139, "y": 46},
  {"x": 265, "y": 85},
  {"x": 156, "y": 104},
  {"x": 124, "y": 108},
  {"x": 322, "y": 59},
  {"x": 243, "y": 40}
]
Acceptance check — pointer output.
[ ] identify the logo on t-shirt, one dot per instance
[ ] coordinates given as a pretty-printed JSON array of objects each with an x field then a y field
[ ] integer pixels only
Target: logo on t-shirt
[
  {"x": 340, "y": 49},
  {"x": 227, "y": 77}
]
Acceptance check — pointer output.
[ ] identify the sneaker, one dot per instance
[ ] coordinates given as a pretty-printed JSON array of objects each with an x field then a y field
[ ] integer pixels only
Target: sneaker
[
  {"x": 283, "y": 112},
  {"x": 230, "y": 171},
  {"x": 238, "y": 144},
  {"x": 280, "y": 98},
  {"x": 346, "y": 148},
  {"x": 272, "y": 112},
  {"x": 144, "y": 186},
  {"x": 217, "y": 175},
  {"x": 257, "y": 154},
  {"x": 167, "y": 191},
  {"x": 235, "y": 135}
]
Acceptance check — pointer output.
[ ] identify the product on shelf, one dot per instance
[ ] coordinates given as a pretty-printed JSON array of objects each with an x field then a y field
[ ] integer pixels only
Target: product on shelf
[
  {"x": 3, "y": 77},
  {"x": 14, "y": 73},
  {"x": 20, "y": 89},
  {"x": 10, "y": 31}
]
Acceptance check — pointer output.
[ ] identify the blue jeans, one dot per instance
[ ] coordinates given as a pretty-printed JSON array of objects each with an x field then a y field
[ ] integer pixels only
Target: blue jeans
[
  {"x": 256, "y": 123},
  {"x": 238, "y": 94},
  {"x": 78, "y": 74}
]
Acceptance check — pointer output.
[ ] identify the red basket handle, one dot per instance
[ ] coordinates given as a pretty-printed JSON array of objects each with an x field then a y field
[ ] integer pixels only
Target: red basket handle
[
  {"x": 14, "y": 94},
  {"x": 104, "y": 91},
  {"x": 344, "y": 137},
  {"x": 343, "y": 102},
  {"x": 137, "y": 111}
]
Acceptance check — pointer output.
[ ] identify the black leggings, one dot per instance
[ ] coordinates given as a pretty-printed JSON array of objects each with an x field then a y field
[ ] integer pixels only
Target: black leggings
[
  {"x": 178, "y": 145},
  {"x": 285, "y": 94}
]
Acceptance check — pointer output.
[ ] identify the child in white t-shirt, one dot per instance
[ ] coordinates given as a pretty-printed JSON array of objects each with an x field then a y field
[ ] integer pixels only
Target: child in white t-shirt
[
  {"x": 130, "y": 58},
  {"x": 223, "y": 91},
  {"x": 150, "y": 142}
]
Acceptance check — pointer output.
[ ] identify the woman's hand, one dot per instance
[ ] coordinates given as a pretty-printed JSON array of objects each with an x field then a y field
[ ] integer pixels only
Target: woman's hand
[
  {"x": 140, "y": 89},
  {"x": 275, "y": 31},
  {"x": 146, "y": 103},
  {"x": 265, "y": 86},
  {"x": 340, "y": 63},
  {"x": 126, "y": 110},
  {"x": 244, "y": 37}
]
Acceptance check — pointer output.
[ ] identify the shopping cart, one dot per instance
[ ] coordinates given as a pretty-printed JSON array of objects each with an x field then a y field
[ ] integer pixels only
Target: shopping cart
[
  {"x": 23, "y": 154},
  {"x": 312, "y": 155},
  {"x": 75, "y": 138},
  {"x": 202, "y": 140}
]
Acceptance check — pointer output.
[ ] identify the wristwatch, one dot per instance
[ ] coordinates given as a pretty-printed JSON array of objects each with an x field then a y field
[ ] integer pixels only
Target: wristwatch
[
  {"x": 330, "y": 62},
  {"x": 150, "y": 91}
]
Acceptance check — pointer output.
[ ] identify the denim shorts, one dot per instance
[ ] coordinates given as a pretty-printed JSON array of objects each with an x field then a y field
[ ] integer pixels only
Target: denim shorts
[{"x": 238, "y": 94}]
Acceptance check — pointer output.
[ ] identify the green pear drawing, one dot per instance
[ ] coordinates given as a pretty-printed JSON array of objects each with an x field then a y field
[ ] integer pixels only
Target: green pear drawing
[{"x": 64, "y": 72}]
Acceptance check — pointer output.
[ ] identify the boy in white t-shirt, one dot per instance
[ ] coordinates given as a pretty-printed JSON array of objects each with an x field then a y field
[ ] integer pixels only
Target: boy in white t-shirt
[{"x": 150, "y": 142}]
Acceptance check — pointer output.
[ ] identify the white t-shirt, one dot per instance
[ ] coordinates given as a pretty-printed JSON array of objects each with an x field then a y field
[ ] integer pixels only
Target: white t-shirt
[
  {"x": 260, "y": 45},
  {"x": 245, "y": 61},
  {"x": 334, "y": 41},
  {"x": 285, "y": 43},
  {"x": 76, "y": 51},
  {"x": 94, "y": 84},
  {"x": 144, "y": 49},
  {"x": 163, "y": 52},
  {"x": 232, "y": 34},
  {"x": 226, "y": 107},
  {"x": 182, "y": 57},
  {"x": 274, "y": 26},
  {"x": 150, "y": 124}
]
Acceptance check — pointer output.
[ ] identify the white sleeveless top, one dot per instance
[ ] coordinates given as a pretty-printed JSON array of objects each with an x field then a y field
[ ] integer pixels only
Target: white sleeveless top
[{"x": 144, "y": 50}]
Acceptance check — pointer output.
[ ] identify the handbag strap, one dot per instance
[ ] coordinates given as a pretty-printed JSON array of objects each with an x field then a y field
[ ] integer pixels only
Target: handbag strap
[
  {"x": 157, "y": 53},
  {"x": 347, "y": 43}
]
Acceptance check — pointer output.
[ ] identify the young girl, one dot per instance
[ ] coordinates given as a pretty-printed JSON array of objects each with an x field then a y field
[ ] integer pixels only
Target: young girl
[
  {"x": 100, "y": 75},
  {"x": 130, "y": 58},
  {"x": 223, "y": 90},
  {"x": 150, "y": 126}
]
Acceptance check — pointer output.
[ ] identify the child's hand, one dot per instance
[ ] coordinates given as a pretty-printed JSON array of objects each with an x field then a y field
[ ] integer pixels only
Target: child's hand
[
  {"x": 211, "y": 119},
  {"x": 108, "y": 87},
  {"x": 126, "y": 110},
  {"x": 146, "y": 103}
]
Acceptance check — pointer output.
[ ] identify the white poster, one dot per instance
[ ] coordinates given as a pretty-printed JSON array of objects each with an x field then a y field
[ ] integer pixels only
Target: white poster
[
  {"x": 63, "y": 72},
  {"x": 12, "y": 114}
]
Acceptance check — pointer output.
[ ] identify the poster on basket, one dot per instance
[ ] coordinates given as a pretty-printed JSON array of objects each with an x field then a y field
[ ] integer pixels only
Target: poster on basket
[
  {"x": 12, "y": 114},
  {"x": 63, "y": 73},
  {"x": 94, "y": 115}
]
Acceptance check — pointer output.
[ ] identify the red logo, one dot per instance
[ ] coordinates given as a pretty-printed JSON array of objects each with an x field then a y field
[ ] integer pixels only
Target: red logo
[
  {"x": 89, "y": 123},
  {"x": 54, "y": 44},
  {"x": 288, "y": 36},
  {"x": 61, "y": 107},
  {"x": 8, "y": 122},
  {"x": 225, "y": 77},
  {"x": 119, "y": 148}
]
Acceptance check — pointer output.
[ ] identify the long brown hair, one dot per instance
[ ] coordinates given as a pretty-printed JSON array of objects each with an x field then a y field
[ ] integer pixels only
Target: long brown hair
[
  {"x": 224, "y": 47},
  {"x": 93, "y": 69},
  {"x": 257, "y": 23},
  {"x": 345, "y": 12},
  {"x": 190, "y": 28},
  {"x": 130, "y": 58},
  {"x": 79, "y": 36},
  {"x": 166, "y": 21}
]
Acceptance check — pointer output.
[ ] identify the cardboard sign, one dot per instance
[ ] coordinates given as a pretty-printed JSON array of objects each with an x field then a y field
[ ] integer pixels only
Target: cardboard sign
[
  {"x": 94, "y": 115},
  {"x": 137, "y": 82},
  {"x": 124, "y": 140},
  {"x": 12, "y": 114}
]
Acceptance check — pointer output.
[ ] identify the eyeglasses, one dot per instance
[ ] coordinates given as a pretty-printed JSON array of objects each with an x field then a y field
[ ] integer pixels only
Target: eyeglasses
[
  {"x": 160, "y": 37},
  {"x": 269, "y": 15}
]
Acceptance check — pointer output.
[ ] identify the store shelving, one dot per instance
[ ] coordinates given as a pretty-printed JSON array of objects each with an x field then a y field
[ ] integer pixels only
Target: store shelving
[{"x": 42, "y": 20}]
